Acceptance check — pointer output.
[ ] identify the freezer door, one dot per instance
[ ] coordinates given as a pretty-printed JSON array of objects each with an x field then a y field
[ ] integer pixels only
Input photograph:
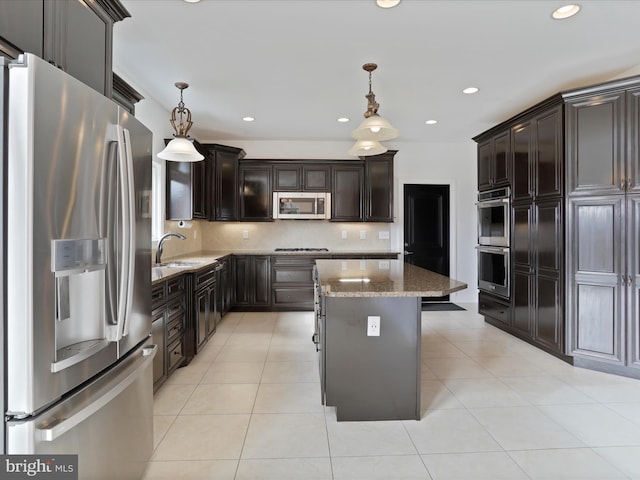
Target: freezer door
[
  {"x": 64, "y": 240},
  {"x": 108, "y": 423}
]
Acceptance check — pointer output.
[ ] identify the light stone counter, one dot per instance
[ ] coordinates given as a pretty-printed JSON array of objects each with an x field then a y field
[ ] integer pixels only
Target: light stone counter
[
  {"x": 382, "y": 278},
  {"x": 185, "y": 264}
]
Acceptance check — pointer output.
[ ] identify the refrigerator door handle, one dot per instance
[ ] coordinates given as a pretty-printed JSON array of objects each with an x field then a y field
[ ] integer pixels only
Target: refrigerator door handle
[
  {"x": 125, "y": 171},
  {"x": 60, "y": 428}
]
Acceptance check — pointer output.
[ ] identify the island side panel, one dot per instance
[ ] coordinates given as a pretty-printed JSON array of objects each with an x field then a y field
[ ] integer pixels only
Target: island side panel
[{"x": 368, "y": 377}]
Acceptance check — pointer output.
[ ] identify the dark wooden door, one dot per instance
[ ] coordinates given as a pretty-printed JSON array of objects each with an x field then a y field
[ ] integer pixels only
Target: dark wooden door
[
  {"x": 426, "y": 229},
  {"x": 347, "y": 199}
]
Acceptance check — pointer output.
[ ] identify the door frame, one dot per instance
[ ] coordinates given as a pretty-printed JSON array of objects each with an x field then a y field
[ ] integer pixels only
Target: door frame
[{"x": 453, "y": 227}]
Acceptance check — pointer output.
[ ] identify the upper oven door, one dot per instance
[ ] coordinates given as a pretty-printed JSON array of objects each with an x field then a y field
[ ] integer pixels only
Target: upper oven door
[{"x": 493, "y": 222}]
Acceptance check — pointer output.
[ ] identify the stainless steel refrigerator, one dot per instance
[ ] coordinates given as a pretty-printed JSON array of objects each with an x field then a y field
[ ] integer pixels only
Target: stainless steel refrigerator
[{"x": 76, "y": 254}]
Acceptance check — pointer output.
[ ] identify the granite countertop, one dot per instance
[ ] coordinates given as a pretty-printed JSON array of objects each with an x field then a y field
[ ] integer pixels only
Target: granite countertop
[
  {"x": 382, "y": 278},
  {"x": 192, "y": 262},
  {"x": 189, "y": 263}
]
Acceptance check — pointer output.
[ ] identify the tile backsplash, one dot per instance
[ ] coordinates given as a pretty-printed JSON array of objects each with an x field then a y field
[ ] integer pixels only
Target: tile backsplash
[{"x": 240, "y": 236}]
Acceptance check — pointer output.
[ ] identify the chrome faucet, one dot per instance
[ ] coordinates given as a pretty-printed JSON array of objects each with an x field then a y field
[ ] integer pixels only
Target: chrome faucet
[{"x": 161, "y": 242}]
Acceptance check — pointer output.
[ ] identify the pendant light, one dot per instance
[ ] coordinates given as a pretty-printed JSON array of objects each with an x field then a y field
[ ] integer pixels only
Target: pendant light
[
  {"x": 363, "y": 148},
  {"x": 374, "y": 127},
  {"x": 181, "y": 149}
]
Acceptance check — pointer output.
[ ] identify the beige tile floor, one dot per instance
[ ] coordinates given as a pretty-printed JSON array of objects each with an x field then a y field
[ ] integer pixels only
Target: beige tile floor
[{"x": 493, "y": 407}]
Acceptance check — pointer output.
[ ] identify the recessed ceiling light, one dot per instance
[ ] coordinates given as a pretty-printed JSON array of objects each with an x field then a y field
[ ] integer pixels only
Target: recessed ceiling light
[
  {"x": 343, "y": 119},
  {"x": 387, "y": 3},
  {"x": 192, "y": 1},
  {"x": 565, "y": 11},
  {"x": 248, "y": 119},
  {"x": 431, "y": 122},
  {"x": 470, "y": 90}
]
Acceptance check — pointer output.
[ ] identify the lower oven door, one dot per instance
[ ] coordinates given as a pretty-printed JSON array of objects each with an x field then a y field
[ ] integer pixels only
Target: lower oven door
[{"x": 493, "y": 270}]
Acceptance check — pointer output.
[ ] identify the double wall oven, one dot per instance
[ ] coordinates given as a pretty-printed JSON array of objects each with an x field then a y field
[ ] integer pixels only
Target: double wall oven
[{"x": 494, "y": 219}]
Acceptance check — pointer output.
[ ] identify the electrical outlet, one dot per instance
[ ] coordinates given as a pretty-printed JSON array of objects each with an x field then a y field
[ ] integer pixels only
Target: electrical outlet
[
  {"x": 245, "y": 234},
  {"x": 363, "y": 234},
  {"x": 383, "y": 265},
  {"x": 384, "y": 235},
  {"x": 373, "y": 326},
  {"x": 343, "y": 235}
]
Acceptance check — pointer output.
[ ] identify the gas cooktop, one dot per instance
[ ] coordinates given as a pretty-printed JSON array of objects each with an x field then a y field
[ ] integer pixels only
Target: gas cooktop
[{"x": 302, "y": 249}]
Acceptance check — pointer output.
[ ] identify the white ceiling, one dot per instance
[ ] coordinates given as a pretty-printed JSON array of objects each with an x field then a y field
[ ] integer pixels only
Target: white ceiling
[{"x": 296, "y": 65}]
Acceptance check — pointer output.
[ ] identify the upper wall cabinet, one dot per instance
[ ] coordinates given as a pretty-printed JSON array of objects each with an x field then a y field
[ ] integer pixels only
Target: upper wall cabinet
[
  {"x": 347, "y": 194},
  {"x": 74, "y": 35},
  {"x": 378, "y": 182},
  {"x": 294, "y": 176},
  {"x": 256, "y": 199},
  {"x": 494, "y": 161},
  {"x": 537, "y": 150},
  {"x": 223, "y": 191},
  {"x": 595, "y": 150},
  {"x": 186, "y": 188}
]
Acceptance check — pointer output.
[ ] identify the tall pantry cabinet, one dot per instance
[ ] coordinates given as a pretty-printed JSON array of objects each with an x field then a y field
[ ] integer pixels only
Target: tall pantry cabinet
[
  {"x": 603, "y": 244},
  {"x": 575, "y": 225}
]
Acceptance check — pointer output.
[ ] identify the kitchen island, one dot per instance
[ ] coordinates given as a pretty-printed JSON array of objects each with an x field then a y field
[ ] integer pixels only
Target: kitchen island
[{"x": 368, "y": 335}]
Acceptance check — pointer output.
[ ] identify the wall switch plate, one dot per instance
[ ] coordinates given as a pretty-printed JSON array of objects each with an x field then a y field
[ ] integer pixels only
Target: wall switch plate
[
  {"x": 245, "y": 234},
  {"x": 363, "y": 234},
  {"x": 343, "y": 235},
  {"x": 383, "y": 235},
  {"x": 373, "y": 326}
]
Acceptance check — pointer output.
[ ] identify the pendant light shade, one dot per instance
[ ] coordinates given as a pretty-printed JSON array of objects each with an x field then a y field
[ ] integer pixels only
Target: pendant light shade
[
  {"x": 363, "y": 148},
  {"x": 373, "y": 128},
  {"x": 181, "y": 149}
]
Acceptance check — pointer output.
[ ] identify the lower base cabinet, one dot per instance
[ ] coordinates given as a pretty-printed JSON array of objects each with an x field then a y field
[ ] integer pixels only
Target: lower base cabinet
[
  {"x": 205, "y": 305},
  {"x": 168, "y": 327}
]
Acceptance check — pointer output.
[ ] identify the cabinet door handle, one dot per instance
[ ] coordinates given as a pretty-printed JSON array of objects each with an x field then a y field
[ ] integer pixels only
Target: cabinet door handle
[
  {"x": 629, "y": 183},
  {"x": 622, "y": 184}
]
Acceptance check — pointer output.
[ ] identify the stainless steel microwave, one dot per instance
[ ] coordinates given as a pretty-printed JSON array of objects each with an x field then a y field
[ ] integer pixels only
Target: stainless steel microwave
[{"x": 301, "y": 205}]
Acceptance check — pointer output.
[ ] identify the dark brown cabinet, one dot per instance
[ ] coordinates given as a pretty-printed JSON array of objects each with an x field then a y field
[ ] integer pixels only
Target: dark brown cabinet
[
  {"x": 596, "y": 144},
  {"x": 536, "y": 145},
  {"x": 316, "y": 178},
  {"x": 253, "y": 281},
  {"x": 187, "y": 188},
  {"x": 256, "y": 201},
  {"x": 287, "y": 178},
  {"x": 205, "y": 190},
  {"x": 347, "y": 193},
  {"x": 292, "y": 282},
  {"x": 76, "y": 36},
  {"x": 300, "y": 176},
  {"x": 168, "y": 327},
  {"x": 205, "y": 305},
  {"x": 378, "y": 182},
  {"x": 494, "y": 161},
  {"x": 223, "y": 194}
]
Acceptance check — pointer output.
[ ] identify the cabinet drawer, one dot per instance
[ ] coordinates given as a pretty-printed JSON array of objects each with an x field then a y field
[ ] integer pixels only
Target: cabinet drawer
[
  {"x": 176, "y": 355},
  {"x": 175, "y": 307},
  {"x": 175, "y": 329},
  {"x": 289, "y": 260},
  {"x": 157, "y": 295},
  {"x": 175, "y": 287},
  {"x": 303, "y": 275},
  {"x": 204, "y": 278},
  {"x": 288, "y": 296},
  {"x": 493, "y": 308}
]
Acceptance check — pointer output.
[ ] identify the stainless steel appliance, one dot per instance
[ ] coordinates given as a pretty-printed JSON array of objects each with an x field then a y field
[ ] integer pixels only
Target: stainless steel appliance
[
  {"x": 494, "y": 217},
  {"x": 494, "y": 270},
  {"x": 76, "y": 282},
  {"x": 301, "y": 205}
]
